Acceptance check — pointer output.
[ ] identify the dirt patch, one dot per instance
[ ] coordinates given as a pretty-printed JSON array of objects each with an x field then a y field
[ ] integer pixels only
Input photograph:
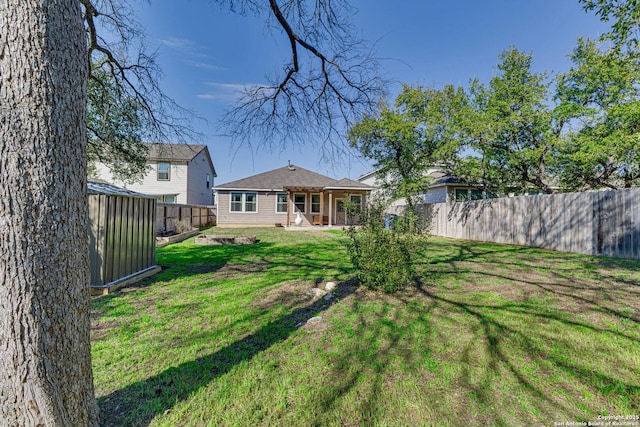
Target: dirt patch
[
  {"x": 235, "y": 268},
  {"x": 291, "y": 295},
  {"x": 100, "y": 328}
]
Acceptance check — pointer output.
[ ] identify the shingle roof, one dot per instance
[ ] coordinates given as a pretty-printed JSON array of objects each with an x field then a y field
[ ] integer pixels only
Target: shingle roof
[
  {"x": 178, "y": 152},
  {"x": 291, "y": 177},
  {"x": 162, "y": 151},
  {"x": 349, "y": 184}
]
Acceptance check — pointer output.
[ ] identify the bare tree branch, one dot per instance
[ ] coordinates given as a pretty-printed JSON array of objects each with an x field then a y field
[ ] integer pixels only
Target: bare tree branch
[
  {"x": 331, "y": 81},
  {"x": 133, "y": 70}
]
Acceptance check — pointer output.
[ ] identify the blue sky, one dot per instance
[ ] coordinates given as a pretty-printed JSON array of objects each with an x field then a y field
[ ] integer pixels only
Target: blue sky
[{"x": 208, "y": 53}]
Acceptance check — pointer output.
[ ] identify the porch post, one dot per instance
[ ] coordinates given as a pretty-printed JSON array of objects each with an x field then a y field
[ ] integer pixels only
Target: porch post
[
  {"x": 321, "y": 207},
  {"x": 330, "y": 207},
  {"x": 288, "y": 207}
]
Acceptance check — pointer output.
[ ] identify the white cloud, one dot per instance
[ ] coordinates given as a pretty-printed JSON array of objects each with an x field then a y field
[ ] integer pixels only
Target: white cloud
[
  {"x": 207, "y": 66},
  {"x": 224, "y": 92},
  {"x": 177, "y": 43},
  {"x": 192, "y": 53}
]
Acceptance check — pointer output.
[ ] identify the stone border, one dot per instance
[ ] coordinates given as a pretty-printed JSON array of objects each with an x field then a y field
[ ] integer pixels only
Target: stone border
[
  {"x": 225, "y": 240},
  {"x": 164, "y": 241}
]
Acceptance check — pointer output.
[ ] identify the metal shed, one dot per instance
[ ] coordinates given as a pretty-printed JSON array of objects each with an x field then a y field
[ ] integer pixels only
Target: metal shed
[{"x": 122, "y": 241}]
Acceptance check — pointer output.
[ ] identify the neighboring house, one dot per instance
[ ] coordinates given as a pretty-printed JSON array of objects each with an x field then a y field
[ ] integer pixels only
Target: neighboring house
[
  {"x": 176, "y": 173},
  {"x": 451, "y": 189},
  {"x": 444, "y": 188},
  {"x": 275, "y": 198}
]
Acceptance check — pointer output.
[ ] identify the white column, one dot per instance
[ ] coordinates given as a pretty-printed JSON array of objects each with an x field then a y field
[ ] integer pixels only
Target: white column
[{"x": 330, "y": 207}]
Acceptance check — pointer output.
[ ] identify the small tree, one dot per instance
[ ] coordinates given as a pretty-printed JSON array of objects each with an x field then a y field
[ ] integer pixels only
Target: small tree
[{"x": 382, "y": 258}]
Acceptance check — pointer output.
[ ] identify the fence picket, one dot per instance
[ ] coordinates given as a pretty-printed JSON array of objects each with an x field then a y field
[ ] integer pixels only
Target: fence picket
[{"x": 604, "y": 223}]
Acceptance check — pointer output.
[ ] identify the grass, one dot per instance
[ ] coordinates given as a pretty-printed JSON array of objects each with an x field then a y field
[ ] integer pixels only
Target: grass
[{"x": 494, "y": 335}]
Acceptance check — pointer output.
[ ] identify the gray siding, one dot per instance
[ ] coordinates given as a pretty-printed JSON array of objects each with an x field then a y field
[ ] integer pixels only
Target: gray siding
[
  {"x": 266, "y": 214},
  {"x": 197, "y": 191}
]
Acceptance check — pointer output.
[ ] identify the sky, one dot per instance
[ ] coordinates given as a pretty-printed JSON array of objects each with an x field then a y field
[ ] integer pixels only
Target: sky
[{"x": 207, "y": 53}]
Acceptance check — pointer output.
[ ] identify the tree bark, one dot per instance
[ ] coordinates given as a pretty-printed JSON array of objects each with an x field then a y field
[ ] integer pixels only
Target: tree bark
[{"x": 45, "y": 357}]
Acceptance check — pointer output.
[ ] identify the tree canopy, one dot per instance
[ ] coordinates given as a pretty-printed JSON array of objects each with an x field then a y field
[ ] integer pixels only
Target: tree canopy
[
  {"x": 405, "y": 140},
  {"x": 523, "y": 131}
]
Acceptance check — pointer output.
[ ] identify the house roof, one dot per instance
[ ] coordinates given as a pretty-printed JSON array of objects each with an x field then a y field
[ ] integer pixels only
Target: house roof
[
  {"x": 178, "y": 152},
  {"x": 292, "y": 177}
]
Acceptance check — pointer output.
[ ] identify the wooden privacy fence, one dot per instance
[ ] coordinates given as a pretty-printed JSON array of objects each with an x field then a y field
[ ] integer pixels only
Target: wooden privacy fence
[
  {"x": 170, "y": 217},
  {"x": 601, "y": 223}
]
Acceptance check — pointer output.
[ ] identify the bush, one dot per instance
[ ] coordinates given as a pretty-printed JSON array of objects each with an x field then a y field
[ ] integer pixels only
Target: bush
[{"x": 383, "y": 259}]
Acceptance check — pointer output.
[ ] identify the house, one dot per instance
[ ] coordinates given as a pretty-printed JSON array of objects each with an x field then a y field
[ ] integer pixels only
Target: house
[
  {"x": 276, "y": 197},
  {"x": 443, "y": 188},
  {"x": 176, "y": 173}
]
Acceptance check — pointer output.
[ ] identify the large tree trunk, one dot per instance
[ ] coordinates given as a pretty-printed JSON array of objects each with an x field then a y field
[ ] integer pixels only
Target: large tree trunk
[{"x": 45, "y": 358}]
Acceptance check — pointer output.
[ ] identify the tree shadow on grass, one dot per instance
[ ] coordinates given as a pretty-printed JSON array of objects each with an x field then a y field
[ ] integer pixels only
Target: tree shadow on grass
[{"x": 138, "y": 403}]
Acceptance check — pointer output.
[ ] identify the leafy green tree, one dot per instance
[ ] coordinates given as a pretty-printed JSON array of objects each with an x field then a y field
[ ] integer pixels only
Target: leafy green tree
[
  {"x": 509, "y": 129},
  {"x": 625, "y": 15},
  {"x": 405, "y": 140},
  {"x": 601, "y": 95},
  {"x": 115, "y": 128}
]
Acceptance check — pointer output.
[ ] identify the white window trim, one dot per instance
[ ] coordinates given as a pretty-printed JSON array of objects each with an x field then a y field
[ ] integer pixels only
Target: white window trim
[
  {"x": 286, "y": 204},
  {"x": 243, "y": 200},
  {"x": 311, "y": 203},
  {"x": 305, "y": 202},
  {"x": 158, "y": 171}
]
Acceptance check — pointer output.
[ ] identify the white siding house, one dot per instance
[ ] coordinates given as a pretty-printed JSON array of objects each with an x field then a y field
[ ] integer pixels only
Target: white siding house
[{"x": 176, "y": 173}]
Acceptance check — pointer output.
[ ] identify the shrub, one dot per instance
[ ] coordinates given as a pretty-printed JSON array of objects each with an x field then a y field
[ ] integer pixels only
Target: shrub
[{"x": 383, "y": 258}]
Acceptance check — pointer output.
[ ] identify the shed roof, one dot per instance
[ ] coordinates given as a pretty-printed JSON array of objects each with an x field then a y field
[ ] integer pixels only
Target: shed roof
[
  {"x": 104, "y": 189},
  {"x": 291, "y": 177}
]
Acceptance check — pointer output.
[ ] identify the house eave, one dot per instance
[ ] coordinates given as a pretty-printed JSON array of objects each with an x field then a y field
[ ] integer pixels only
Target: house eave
[
  {"x": 247, "y": 189},
  {"x": 349, "y": 188}
]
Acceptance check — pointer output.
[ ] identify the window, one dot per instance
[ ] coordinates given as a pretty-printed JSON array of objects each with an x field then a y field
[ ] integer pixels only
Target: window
[
  {"x": 281, "y": 203},
  {"x": 356, "y": 201},
  {"x": 476, "y": 194},
  {"x": 250, "y": 202},
  {"x": 163, "y": 171},
  {"x": 300, "y": 202},
  {"x": 461, "y": 195},
  {"x": 167, "y": 198},
  {"x": 208, "y": 180},
  {"x": 236, "y": 202},
  {"x": 315, "y": 203},
  {"x": 243, "y": 202}
]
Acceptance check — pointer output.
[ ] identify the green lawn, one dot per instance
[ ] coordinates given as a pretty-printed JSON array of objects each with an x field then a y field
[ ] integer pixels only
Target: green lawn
[{"x": 494, "y": 335}]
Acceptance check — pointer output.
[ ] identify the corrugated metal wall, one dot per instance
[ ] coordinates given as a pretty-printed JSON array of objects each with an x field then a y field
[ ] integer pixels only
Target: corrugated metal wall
[
  {"x": 122, "y": 238},
  {"x": 602, "y": 223}
]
